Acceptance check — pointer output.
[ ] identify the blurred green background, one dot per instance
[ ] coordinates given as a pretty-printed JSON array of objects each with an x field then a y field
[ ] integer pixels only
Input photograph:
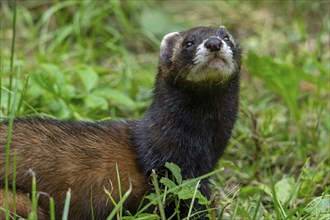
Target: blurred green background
[{"x": 96, "y": 60}]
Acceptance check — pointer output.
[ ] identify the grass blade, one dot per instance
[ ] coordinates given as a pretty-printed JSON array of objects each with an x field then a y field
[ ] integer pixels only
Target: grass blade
[
  {"x": 20, "y": 102},
  {"x": 12, "y": 51},
  {"x": 158, "y": 193},
  {"x": 51, "y": 208},
  {"x": 110, "y": 197},
  {"x": 119, "y": 204},
  {"x": 235, "y": 210},
  {"x": 91, "y": 199},
  {"x": 119, "y": 189},
  {"x": 258, "y": 205},
  {"x": 8, "y": 142},
  {"x": 11, "y": 114},
  {"x": 13, "y": 189},
  {"x": 193, "y": 200},
  {"x": 66, "y": 205},
  {"x": 33, "y": 215}
]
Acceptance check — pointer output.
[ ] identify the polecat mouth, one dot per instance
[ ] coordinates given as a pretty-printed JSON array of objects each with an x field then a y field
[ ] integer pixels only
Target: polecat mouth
[
  {"x": 213, "y": 68},
  {"x": 216, "y": 60}
]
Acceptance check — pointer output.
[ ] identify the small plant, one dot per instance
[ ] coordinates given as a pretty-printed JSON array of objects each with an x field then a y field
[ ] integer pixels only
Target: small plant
[{"x": 181, "y": 190}]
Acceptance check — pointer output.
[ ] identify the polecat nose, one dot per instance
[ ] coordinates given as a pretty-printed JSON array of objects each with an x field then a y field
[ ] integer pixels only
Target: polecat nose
[{"x": 213, "y": 44}]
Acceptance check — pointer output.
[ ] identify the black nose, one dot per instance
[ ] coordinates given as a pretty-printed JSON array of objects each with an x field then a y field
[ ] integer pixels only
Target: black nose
[{"x": 213, "y": 44}]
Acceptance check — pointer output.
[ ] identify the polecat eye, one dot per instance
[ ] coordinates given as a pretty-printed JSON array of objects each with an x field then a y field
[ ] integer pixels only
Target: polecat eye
[
  {"x": 189, "y": 44},
  {"x": 226, "y": 38}
]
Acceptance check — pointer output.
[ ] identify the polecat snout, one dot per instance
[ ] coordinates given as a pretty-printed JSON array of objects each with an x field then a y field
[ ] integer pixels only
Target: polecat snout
[{"x": 189, "y": 123}]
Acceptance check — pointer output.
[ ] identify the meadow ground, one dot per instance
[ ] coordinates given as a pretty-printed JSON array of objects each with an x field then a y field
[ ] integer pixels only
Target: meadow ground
[{"x": 96, "y": 60}]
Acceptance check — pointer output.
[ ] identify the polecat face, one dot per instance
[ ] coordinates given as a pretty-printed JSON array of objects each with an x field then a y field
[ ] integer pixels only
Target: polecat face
[{"x": 200, "y": 54}]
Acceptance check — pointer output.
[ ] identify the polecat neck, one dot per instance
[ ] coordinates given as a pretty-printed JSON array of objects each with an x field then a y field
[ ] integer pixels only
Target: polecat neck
[{"x": 187, "y": 125}]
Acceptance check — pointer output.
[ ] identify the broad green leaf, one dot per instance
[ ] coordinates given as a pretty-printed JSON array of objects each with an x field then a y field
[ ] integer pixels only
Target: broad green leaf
[
  {"x": 146, "y": 216},
  {"x": 187, "y": 192},
  {"x": 281, "y": 78},
  {"x": 169, "y": 183},
  {"x": 54, "y": 73},
  {"x": 319, "y": 206},
  {"x": 242, "y": 212},
  {"x": 88, "y": 77},
  {"x": 116, "y": 97},
  {"x": 249, "y": 191},
  {"x": 96, "y": 102},
  {"x": 283, "y": 189},
  {"x": 61, "y": 108},
  {"x": 152, "y": 197},
  {"x": 175, "y": 170}
]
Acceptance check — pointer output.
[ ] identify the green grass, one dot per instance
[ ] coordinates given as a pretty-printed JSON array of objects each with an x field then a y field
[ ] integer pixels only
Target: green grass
[{"x": 88, "y": 60}]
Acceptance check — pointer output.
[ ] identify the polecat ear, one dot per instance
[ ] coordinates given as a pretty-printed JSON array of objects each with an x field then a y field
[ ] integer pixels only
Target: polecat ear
[
  {"x": 167, "y": 45},
  {"x": 222, "y": 27}
]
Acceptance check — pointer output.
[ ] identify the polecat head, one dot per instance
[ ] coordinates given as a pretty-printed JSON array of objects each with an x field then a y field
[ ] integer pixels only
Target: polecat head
[{"x": 198, "y": 55}]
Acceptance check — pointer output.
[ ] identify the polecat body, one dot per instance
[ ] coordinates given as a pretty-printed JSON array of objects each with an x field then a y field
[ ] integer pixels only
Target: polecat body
[{"x": 189, "y": 123}]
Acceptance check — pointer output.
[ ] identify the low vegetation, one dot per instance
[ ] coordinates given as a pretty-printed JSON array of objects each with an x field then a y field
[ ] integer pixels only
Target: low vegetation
[{"x": 96, "y": 60}]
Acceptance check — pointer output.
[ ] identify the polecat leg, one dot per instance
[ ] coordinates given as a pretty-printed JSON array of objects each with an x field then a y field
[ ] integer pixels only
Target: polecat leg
[{"x": 21, "y": 208}]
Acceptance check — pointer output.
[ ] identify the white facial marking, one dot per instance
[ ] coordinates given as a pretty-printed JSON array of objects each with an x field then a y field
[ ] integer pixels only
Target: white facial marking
[{"x": 212, "y": 65}]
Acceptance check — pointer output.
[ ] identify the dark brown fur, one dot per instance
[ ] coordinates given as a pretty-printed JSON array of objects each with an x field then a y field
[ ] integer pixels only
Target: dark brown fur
[{"x": 75, "y": 155}]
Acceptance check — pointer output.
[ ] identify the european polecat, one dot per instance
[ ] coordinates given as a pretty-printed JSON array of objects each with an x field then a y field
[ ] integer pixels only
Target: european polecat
[{"x": 189, "y": 123}]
